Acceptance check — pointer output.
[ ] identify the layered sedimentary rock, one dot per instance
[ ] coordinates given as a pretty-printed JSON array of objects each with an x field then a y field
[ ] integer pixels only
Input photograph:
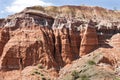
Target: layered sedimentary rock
[
  {"x": 33, "y": 37},
  {"x": 89, "y": 41},
  {"x": 4, "y": 37},
  {"x": 29, "y": 48}
]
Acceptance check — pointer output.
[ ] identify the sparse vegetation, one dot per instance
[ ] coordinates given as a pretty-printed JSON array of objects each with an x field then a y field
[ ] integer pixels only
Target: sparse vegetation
[
  {"x": 37, "y": 8},
  {"x": 91, "y": 62},
  {"x": 51, "y": 8},
  {"x": 75, "y": 74},
  {"x": 40, "y": 66},
  {"x": 89, "y": 71},
  {"x": 32, "y": 74},
  {"x": 42, "y": 74},
  {"x": 84, "y": 77},
  {"x": 36, "y": 72},
  {"x": 68, "y": 10},
  {"x": 43, "y": 78},
  {"x": 117, "y": 78}
]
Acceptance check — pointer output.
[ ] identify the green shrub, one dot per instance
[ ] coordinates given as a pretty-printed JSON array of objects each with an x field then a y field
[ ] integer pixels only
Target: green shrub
[
  {"x": 75, "y": 74},
  {"x": 40, "y": 66},
  {"x": 32, "y": 74},
  {"x": 43, "y": 78},
  {"x": 36, "y": 72},
  {"x": 42, "y": 74},
  {"x": 91, "y": 62},
  {"x": 84, "y": 77}
]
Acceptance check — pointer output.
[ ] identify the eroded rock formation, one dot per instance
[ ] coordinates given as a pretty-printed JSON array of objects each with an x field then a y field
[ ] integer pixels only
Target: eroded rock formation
[
  {"x": 89, "y": 41},
  {"x": 32, "y": 37}
]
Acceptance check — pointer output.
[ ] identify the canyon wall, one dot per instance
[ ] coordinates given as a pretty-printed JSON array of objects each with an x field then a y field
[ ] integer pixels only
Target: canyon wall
[{"x": 32, "y": 37}]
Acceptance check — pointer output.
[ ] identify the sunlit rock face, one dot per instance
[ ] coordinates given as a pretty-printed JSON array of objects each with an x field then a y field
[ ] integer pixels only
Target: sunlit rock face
[{"x": 55, "y": 39}]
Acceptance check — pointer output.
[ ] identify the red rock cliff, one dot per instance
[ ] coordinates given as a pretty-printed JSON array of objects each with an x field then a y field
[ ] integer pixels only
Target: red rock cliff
[{"x": 32, "y": 37}]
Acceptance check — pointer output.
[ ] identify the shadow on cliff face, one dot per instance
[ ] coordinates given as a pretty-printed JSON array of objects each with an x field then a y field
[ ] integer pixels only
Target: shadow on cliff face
[
  {"x": 104, "y": 44},
  {"x": 105, "y": 37}
]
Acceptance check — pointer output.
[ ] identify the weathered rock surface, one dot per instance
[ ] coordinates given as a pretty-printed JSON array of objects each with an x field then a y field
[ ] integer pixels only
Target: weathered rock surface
[
  {"x": 29, "y": 47},
  {"x": 33, "y": 37},
  {"x": 4, "y": 37},
  {"x": 89, "y": 41}
]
